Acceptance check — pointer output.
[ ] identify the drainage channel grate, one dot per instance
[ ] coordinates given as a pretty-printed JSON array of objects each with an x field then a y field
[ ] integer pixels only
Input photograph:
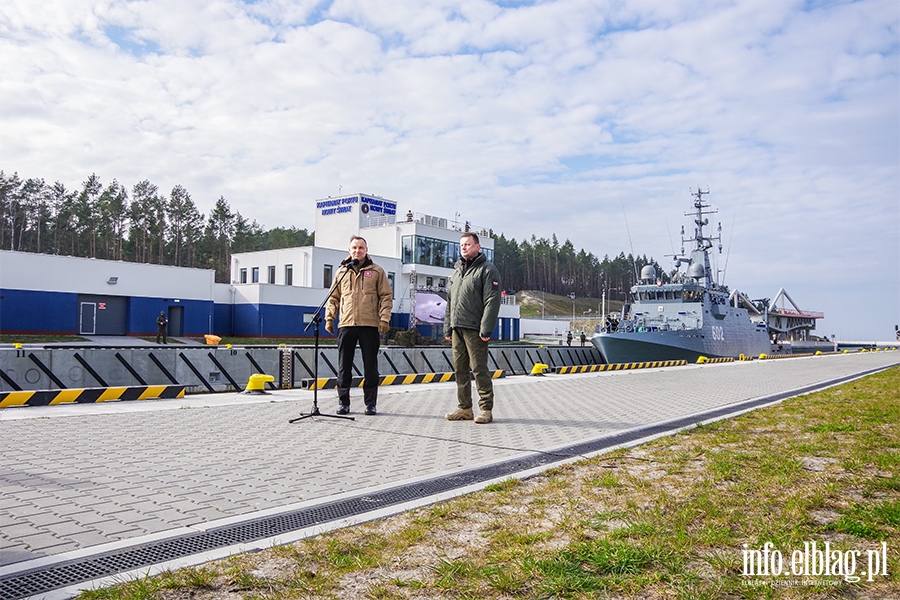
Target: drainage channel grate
[{"x": 70, "y": 573}]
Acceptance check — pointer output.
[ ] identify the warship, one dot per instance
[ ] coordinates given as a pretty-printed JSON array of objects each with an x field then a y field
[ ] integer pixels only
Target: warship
[{"x": 690, "y": 316}]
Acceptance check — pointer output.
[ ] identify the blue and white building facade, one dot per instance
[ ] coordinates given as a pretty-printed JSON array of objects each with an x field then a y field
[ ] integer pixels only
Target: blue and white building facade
[
  {"x": 43, "y": 293},
  {"x": 273, "y": 293},
  {"x": 417, "y": 252}
]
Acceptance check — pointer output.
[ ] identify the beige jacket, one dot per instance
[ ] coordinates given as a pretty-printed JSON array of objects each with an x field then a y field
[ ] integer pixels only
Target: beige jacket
[{"x": 364, "y": 296}]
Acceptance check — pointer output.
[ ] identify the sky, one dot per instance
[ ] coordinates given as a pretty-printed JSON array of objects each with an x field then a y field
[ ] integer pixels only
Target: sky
[{"x": 589, "y": 119}]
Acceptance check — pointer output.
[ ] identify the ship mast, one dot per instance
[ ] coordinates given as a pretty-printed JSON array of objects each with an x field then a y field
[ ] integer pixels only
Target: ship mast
[{"x": 702, "y": 242}]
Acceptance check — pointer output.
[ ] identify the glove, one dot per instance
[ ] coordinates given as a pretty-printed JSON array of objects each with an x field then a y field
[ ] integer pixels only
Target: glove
[
  {"x": 329, "y": 326},
  {"x": 384, "y": 327}
]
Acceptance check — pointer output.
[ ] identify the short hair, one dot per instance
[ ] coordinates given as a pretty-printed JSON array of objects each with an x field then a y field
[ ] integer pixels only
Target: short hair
[
  {"x": 353, "y": 238},
  {"x": 472, "y": 235}
]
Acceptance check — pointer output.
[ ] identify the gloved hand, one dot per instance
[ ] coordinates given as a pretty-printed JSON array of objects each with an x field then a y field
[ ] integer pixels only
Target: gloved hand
[
  {"x": 384, "y": 327},
  {"x": 329, "y": 326}
]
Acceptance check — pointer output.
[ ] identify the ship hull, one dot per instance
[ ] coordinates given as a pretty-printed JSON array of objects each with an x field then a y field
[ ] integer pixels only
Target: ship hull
[{"x": 623, "y": 347}]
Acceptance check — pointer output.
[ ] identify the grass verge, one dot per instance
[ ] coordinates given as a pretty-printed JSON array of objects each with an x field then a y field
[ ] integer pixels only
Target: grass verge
[{"x": 676, "y": 518}]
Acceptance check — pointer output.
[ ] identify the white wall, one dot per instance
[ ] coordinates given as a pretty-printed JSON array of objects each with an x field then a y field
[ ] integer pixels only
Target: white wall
[{"x": 51, "y": 273}]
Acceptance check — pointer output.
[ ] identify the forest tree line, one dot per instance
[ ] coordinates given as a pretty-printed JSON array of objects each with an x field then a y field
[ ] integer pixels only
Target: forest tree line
[{"x": 147, "y": 225}]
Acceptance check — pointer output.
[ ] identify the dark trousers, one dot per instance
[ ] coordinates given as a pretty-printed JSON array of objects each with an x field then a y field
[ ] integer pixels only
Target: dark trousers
[
  {"x": 161, "y": 331},
  {"x": 369, "y": 342}
]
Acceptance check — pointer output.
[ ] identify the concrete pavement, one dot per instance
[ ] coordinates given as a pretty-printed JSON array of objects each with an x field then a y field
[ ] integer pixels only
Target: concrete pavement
[{"x": 84, "y": 479}]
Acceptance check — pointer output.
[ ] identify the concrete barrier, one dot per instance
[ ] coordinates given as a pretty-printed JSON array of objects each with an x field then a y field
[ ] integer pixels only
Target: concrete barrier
[
  {"x": 82, "y": 396},
  {"x": 207, "y": 369}
]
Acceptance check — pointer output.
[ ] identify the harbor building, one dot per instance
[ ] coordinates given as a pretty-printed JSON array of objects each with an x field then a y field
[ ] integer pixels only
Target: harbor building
[
  {"x": 790, "y": 323},
  {"x": 417, "y": 251},
  {"x": 272, "y": 293}
]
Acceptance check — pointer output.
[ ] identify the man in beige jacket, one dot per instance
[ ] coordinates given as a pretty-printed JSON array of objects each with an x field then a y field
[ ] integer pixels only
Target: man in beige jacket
[{"x": 364, "y": 296}]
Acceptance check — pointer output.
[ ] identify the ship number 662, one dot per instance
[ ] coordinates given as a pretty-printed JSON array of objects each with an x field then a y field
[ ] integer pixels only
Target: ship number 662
[{"x": 718, "y": 333}]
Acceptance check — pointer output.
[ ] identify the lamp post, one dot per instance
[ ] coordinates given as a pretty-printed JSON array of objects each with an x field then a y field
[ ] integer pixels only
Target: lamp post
[{"x": 572, "y": 296}]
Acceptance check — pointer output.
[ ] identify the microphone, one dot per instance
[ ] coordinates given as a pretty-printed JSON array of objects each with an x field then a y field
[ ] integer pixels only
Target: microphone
[{"x": 349, "y": 261}]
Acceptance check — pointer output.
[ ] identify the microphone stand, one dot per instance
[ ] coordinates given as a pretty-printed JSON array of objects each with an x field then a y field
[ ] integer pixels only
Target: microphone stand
[{"x": 316, "y": 320}]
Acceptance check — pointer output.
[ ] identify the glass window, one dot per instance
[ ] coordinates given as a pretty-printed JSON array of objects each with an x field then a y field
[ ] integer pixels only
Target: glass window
[
  {"x": 288, "y": 274},
  {"x": 407, "y": 251},
  {"x": 243, "y": 278},
  {"x": 271, "y": 273},
  {"x": 391, "y": 280},
  {"x": 429, "y": 281},
  {"x": 452, "y": 254},
  {"x": 423, "y": 250},
  {"x": 326, "y": 276},
  {"x": 255, "y": 275}
]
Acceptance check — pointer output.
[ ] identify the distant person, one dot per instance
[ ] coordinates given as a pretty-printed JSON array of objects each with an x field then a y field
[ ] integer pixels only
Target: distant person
[
  {"x": 365, "y": 299},
  {"x": 473, "y": 304},
  {"x": 569, "y": 339},
  {"x": 583, "y": 338},
  {"x": 161, "y": 322}
]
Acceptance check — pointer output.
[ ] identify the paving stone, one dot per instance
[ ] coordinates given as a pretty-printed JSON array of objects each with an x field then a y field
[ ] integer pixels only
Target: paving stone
[{"x": 153, "y": 470}]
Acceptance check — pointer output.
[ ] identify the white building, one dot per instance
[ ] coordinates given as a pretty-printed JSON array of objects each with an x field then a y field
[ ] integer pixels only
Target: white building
[{"x": 417, "y": 251}]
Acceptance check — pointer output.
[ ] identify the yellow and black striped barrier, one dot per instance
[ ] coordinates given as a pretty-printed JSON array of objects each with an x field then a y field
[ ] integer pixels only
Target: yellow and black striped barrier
[
  {"x": 721, "y": 359},
  {"x": 619, "y": 366},
  {"x": 329, "y": 383},
  {"x": 774, "y": 356},
  {"x": 88, "y": 395}
]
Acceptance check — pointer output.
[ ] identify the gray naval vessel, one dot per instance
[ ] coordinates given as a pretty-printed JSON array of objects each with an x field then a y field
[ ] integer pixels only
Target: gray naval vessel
[{"x": 689, "y": 317}]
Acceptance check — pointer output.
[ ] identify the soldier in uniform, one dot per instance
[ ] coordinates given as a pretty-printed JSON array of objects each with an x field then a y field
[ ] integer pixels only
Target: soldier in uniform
[
  {"x": 473, "y": 304},
  {"x": 161, "y": 322}
]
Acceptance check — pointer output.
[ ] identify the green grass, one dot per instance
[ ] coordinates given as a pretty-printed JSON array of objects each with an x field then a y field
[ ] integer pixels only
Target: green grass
[
  {"x": 665, "y": 520},
  {"x": 561, "y": 306},
  {"x": 9, "y": 338}
]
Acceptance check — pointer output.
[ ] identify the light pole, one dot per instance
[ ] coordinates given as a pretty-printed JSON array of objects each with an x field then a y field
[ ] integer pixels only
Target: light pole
[
  {"x": 543, "y": 302},
  {"x": 572, "y": 296}
]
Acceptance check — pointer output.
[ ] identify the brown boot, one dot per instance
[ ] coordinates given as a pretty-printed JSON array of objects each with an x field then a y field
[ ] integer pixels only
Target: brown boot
[
  {"x": 484, "y": 417},
  {"x": 460, "y": 414}
]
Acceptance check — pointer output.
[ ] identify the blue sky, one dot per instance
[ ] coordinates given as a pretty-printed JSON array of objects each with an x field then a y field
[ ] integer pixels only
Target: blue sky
[{"x": 531, "y": 118}]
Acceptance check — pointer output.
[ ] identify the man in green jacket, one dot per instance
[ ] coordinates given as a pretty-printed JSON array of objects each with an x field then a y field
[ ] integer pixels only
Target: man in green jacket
[{"x": 473, "y": 304}]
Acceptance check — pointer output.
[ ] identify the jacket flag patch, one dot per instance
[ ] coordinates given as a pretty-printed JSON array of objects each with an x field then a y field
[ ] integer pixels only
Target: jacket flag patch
[
  {"x": 496, "y": 283},
  {"x": 367, "y": 273}
]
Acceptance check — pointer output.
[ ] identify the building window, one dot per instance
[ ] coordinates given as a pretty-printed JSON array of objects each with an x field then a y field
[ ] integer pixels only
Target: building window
[
  {"x": 391, "y": 280},
  {"x": 326, "y": 276},
  {"x": 255, "y": 275},
  {"x": 429, "y": 281},
  {"x": 271, "y": 270},
  {"x": 442, "y": 283},
  {"x": 423, "y": 250},
  {"x": 243, "y": 278},
  {"x": 407, "y": 244},
  {"x": 288, "y": 274}
]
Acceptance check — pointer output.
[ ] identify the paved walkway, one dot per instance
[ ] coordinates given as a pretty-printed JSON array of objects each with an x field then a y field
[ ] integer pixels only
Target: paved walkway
[{"x": 77, "y": 478}]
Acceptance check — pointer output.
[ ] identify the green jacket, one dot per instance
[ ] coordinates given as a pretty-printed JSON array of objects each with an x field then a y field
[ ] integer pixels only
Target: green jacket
[{"x": 473, "y": 301}]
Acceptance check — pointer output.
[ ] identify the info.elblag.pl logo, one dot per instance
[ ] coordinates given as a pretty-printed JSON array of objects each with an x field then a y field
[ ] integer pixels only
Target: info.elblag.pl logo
[{"x": 815, "y": 560}]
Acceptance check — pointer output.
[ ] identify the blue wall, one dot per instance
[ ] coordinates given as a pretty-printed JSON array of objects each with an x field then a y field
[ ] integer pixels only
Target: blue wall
[
  {"x": 24, "y": 311},
  {"x": 272, "y": 320},
  {"x": 142, "y": 314}
]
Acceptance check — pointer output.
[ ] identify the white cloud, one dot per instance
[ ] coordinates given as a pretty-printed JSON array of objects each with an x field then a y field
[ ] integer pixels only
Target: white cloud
[{"x": 532, "y": 119}]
